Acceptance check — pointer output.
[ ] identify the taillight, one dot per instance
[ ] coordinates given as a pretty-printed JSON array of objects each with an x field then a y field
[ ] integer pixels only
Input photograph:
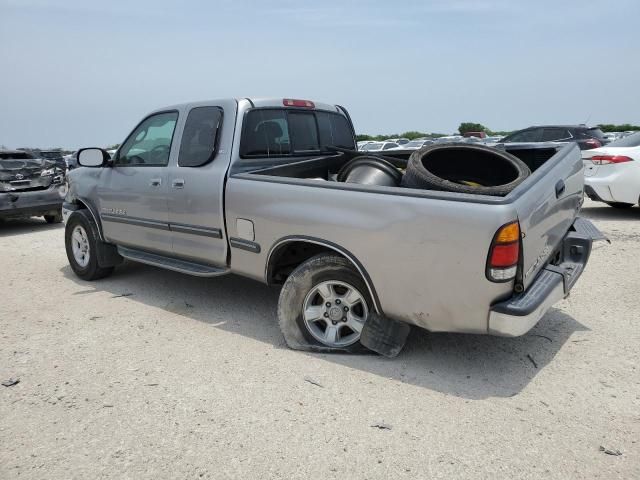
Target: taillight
[
  {"x": 290, "y": 102},
  {"x": 593, "y": 143},
  {"x": 607, "y": 159},
  {"x": 502, "y": 263}
]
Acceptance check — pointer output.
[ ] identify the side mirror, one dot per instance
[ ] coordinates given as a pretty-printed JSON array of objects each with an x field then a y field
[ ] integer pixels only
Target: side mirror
[{"x": 92, "y": 157}]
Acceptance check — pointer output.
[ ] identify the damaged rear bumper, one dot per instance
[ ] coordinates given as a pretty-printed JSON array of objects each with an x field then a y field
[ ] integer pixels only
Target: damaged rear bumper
[{"x": 516, "y": 316}]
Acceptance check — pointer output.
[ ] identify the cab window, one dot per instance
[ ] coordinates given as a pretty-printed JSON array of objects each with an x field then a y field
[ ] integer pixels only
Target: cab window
[
  {"x": 200, "y": 137},
  {"x": 150, "y": 143}
]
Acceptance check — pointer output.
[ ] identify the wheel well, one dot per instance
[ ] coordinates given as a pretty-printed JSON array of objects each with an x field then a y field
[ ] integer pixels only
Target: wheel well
[
  {"x": 285, "y": 258},
  {"x": 96, "y": 219}
]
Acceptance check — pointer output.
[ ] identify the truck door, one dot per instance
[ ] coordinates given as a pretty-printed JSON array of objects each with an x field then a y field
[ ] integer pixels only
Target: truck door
[
  {"x": 133, "y": 192},
  {"x": 196, "y": 184}
]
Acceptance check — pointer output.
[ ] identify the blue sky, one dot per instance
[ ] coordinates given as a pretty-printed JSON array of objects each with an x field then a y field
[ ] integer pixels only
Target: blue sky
[{"x": 80, "y": 73}]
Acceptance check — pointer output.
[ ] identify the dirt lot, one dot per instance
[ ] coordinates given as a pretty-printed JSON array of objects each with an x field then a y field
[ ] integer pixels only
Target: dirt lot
[{"x": 152, "y": 374}]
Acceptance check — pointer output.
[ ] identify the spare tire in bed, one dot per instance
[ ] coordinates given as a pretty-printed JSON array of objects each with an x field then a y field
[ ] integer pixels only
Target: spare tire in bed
[
  {"x": 370, "y": 170},
  {"x": 465, "y": 168}
]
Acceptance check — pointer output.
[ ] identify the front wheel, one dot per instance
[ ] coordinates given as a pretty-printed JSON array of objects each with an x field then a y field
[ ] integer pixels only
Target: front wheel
[
  {"x": 81, "y": 242},
  {"x": 324, "y": 305}
]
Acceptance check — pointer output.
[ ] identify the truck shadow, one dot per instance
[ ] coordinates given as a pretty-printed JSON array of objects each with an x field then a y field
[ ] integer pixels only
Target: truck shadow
[
  {"x": 9, "y": 228},
  {"x": 468, "y": 366},
  {"x": 601, "y": 211}
]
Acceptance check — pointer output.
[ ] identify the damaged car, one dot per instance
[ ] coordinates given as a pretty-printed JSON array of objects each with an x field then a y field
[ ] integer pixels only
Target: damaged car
[{"x": 30, "y": 186}]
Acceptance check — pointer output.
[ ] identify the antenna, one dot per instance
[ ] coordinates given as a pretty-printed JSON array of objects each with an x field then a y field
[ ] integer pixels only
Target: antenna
[{"x": 587, "y": 120}]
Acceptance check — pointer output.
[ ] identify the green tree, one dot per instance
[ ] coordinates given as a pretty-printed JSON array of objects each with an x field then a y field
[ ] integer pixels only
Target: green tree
[{"x": 472, "y": 127}]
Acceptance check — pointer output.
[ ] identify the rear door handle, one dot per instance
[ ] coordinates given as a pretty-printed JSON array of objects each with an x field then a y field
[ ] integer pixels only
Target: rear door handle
[
  {"x": 155, "y": 182},
  {"x": 178, "y": 183},
  {"x": 559, "y": 188}
]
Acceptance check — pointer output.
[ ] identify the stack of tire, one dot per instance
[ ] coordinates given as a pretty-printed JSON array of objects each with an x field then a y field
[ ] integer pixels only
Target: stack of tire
[{"x": 465, "y": 168}]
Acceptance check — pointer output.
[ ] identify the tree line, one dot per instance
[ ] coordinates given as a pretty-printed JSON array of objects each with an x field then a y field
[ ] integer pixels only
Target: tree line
[{"x": 466, "y": 127}]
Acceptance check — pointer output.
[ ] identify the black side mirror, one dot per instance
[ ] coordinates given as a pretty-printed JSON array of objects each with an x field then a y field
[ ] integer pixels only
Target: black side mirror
[{"x": 92, "y": 157}]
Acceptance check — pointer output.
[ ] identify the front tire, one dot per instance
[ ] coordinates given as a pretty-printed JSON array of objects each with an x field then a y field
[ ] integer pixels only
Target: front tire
[
  {"x": 82, "y": 243},
  {"x": 324, "y": 305}
]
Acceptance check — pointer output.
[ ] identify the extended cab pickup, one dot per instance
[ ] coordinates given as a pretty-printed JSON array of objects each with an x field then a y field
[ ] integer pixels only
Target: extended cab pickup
[{"x": 248, "y": 186}]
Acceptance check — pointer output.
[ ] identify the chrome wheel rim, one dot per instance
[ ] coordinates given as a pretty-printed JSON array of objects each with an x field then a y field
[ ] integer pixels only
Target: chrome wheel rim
[
  {"x": 80, "y": 246},
  {"x": 334, "y": 313}
]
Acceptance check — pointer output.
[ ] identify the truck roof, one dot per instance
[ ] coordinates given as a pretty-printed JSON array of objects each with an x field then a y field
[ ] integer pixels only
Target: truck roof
[{"x": 260, "y": 102}]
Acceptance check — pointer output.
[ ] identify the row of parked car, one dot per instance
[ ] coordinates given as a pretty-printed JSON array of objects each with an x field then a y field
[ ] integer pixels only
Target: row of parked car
[{"x": 586, "y": 138}]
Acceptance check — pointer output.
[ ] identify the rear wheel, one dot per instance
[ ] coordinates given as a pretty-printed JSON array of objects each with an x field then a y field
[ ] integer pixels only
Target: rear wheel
[
  {"x": 82, "y": 243},
  {"x": 619, "y": 205},
  {"x": 324, "y": 305}
]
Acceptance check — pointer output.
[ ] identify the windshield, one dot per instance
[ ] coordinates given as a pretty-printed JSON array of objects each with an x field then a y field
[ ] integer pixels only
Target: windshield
[
  {"x": 630, "y": 141},
  {"x": 414, "y": 144}
]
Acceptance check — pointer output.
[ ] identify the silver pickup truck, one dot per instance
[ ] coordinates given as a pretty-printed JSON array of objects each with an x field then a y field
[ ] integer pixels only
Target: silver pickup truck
[{"x": 248, "y": 186}]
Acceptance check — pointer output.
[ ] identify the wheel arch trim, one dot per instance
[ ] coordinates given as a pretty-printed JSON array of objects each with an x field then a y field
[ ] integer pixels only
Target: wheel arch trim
[
  {"x": 332, "y": 246},
  {"x": 94, "y": 214}
]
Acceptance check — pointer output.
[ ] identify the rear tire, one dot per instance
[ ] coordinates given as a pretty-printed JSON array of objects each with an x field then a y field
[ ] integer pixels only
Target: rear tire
[
  {"x": 324, "y": 305},
  {"x": 619, "y": 205},
  {"x": 82, "y": 244}
]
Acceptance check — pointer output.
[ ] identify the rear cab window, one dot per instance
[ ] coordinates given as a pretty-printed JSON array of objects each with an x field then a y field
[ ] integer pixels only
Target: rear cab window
[
  {"x": 287, "y": 132},
  {"x": 200, "y": 137}
]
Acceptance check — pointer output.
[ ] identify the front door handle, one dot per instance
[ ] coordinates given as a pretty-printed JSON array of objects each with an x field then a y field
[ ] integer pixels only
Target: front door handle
[
  {"x": 178, "y": 183},
  {"x": 560, "y": 186},
  {"x": 155, "y": 182}
]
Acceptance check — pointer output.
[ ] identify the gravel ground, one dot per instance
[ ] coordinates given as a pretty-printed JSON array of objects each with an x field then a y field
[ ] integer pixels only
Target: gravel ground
[{"x": 152, "y": 374}]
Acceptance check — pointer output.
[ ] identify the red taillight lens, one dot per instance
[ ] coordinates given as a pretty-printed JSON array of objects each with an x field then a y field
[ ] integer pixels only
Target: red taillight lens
[
  {"x": 502, "y": 264},
  {"x": 607, "y": 159},
  {"x": 593, "y": 143},
  {"x": 290, "y": 102},
  {"x": 505, "y": 255}
]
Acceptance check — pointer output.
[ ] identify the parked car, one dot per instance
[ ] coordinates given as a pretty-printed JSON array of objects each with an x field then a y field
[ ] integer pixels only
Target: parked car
[
  {"x": 53, "y": 155},
  {"x": 585, "y": 137},
  {"x": 417, "y": 144},
  {"x": 402, "y": 141},
  {"x": 30, "y": 186},
  {"x": 475, "y": 134},
  {"x": 246, "y": 186},
  {"x": 612, "y": 173},
  {"x": 379, "y": 146}
]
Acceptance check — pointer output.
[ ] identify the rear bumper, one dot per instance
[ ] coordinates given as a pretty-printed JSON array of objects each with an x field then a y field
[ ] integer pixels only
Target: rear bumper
[
  {"x": 22, "y": 204},
  {"x": 516, "y": 316}
]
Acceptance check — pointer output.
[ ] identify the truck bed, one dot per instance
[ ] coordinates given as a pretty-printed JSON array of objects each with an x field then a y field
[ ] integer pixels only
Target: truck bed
[{"x": 322, "y": 170}]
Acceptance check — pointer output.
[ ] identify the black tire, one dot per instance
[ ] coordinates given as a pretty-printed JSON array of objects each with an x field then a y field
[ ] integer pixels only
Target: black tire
[
  {"x": 620, "y": 205},
  {"x": 91, "y": 271},
  {"x": 465, "y": 168},
  {"x": 54, "y": 218},
  {"x": 318, "y": 269}
]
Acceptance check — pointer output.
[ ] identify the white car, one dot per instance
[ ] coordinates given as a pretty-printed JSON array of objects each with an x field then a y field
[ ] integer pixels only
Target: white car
[
  {"x": 612, "y": 173},
  {"x": 379, "y": 146},
  {"x": 416, "y": 144}
]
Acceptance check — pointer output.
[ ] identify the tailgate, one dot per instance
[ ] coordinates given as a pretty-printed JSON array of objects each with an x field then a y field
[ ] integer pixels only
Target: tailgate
[{"x": 547, "y": 204}]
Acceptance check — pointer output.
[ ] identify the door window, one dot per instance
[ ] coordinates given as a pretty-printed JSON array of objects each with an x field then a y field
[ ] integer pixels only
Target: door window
[
  {"x": 150, "y": 143},
  {"x": 200, "y": 137}
]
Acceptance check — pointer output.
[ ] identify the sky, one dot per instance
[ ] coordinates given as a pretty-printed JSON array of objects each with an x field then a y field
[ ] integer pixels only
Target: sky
[{"x": 79, "y": 73}]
